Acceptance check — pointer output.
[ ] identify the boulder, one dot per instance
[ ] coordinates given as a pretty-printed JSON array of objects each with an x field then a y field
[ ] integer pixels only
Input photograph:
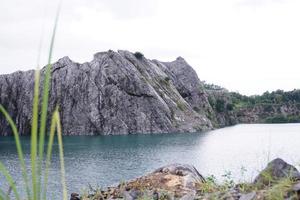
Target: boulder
[
  {"x": 276, "y": 170},
  {"x": 74, "y": 196},
  {"x": 176, "y": 181}
]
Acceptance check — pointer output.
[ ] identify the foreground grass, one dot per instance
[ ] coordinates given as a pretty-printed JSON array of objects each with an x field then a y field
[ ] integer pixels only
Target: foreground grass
[
  {"x": 37, "y": 190},
  {"x": 279, "y": 190}
]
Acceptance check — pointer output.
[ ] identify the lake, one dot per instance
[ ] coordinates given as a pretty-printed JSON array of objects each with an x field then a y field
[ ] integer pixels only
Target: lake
[{"x": 106, "y": 160}]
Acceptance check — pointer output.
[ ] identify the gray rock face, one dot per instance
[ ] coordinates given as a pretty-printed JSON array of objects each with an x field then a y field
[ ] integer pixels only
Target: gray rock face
[
  {"x": 115, "y": 93},
  {"x": 16, "y": 95}
]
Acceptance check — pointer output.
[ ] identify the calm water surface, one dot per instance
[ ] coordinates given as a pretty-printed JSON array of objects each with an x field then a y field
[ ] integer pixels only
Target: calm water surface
[{"x": 104, "y": 161}]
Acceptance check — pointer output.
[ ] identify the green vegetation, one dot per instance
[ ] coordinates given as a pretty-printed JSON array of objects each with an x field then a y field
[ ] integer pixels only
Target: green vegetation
[
  {"x": 283, "y": 119},
  {"x": 270, "y": 107},
  {"x": 38, "y": 189},
  {"x": 271, "y": 103},
  {"x": 181, "y": 105},
  {"x": 229, "y": 107},
  {"x": 212, "y": 101},
  {"x": 267, "y": 98},
  {"x": 209, "y": 86},
  {"x": 277, "y": 190},
  {"x": 165, "y": 82},
  {"x": 138, "y": 55},
  {"x": 220, "y": 105},
  {"x": 280, "y": 190}
]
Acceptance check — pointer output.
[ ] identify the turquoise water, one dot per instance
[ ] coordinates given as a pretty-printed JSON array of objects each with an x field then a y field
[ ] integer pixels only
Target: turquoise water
[{"x": 104, "y": 161}]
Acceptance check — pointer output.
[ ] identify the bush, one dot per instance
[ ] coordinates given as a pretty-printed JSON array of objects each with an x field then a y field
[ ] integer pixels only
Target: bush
[
  {"x": 212, "y": 101},
  {"x": 268, "y": 108},
  {"x": 138, "y": 55},
  {"x": 229, "y": 107},
  {"x": 220, "y": 105},
  {"x": 277, "y": 119},
  {"x": 283, "y": 119},
  {"x": 40, "y": 159}
]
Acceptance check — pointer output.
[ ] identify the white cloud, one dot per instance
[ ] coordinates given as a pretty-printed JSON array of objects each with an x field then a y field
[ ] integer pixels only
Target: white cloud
[{"x": 247, "y": 45}]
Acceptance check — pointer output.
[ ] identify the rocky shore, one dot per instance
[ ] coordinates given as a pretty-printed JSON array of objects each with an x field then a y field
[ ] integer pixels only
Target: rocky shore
[{"x": 278, "y": 181}]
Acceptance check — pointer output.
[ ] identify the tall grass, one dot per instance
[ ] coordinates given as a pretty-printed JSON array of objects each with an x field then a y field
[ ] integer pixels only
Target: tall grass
[{"x": 37, "y": 190}]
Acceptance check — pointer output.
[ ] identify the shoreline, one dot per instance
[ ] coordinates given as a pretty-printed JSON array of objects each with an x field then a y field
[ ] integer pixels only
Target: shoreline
[{"x": 279, "y": 180}]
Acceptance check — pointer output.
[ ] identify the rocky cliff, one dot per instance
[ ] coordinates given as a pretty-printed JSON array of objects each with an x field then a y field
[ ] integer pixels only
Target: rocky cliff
[
  {"x": 116, "y": 93},
  {"x": 126, "y": 93}
]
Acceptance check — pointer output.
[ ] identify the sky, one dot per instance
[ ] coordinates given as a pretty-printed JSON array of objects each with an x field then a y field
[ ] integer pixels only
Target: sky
[{"x": 247, "y": 46}]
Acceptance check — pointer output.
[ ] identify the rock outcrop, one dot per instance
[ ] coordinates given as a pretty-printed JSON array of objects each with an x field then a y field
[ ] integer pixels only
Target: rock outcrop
[
  {"x": 169, "y": 182},
  {"x": 116, "y": 93}
]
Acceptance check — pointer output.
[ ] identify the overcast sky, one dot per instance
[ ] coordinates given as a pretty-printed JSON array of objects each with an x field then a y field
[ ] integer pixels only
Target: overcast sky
[{"x": 248, "y": 46}]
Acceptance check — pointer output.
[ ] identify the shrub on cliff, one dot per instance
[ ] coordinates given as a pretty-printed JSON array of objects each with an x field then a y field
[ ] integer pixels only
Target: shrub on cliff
[
  {"x": 220, "y": 105},
  {"x": 283, "y": 119},
  {"x": 138, "y": 55}
]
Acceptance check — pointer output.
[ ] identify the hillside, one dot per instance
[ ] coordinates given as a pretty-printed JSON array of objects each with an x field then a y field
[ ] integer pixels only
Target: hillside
[{"x": 272, "y": 107}]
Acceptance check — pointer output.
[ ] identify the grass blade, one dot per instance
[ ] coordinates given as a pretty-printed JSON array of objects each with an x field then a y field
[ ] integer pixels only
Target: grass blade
[
  {"x": 46, "y": 88},
  {"x": 49, "y": 153},
  {"x": 3, "y": 195},
  {"x": 55, "y": 125},
  {"x": 61, "y": 156},
  {"x": 34, "y": 128},
  {"x": 37, "y": 147},
  {"x": 19, "y": 148},
  {"x": 41, "y": 135},
  {"x": 43, "y": 123},
  {"x": 54, "y": 32},
  {"x": 45, "y": 100},
  {"x": 10, "y": 180}
]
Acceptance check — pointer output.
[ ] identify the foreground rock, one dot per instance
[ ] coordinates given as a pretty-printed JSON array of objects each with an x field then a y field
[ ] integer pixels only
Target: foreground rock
[
  {"x": 184, "y": 182},
  {"x": 169, "y": 182},
  {"x": 276, "y": 170}
]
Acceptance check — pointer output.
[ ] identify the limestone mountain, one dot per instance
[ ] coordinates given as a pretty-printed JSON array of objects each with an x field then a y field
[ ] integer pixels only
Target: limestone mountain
[{"x": 116, "y": 93}]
